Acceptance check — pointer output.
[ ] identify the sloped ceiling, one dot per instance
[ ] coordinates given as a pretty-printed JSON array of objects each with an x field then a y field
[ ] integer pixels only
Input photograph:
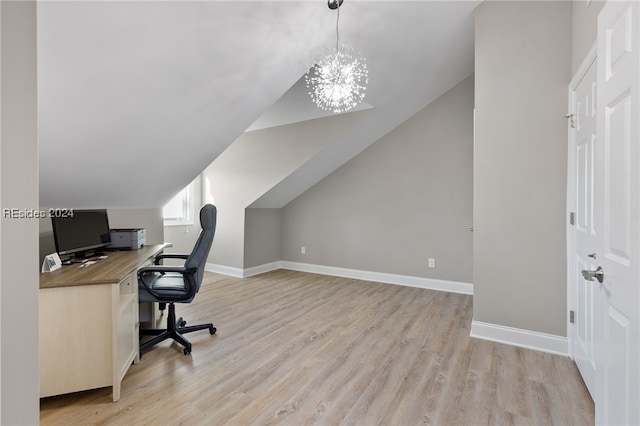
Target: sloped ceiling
[
  {"x": 295, "y": 106},
  {"x": 137, "y": 98}
]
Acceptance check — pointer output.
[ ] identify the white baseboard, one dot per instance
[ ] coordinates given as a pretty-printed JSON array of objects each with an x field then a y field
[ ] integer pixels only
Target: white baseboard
[
  {"x": 224, "y": 270},
  {"x": 518, "y": 337},
  {"x": 406, "y": 280},
  {"x": 261, "y": 269},
  {"x": 242, "y": 273}
]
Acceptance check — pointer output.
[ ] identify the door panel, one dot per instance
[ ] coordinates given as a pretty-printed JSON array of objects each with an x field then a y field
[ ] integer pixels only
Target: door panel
[
  {"x": 584, "y": 325},
  {"x": 584, "y": 156},
  {"x": 617, "y": 175},
  {"x": 617, "y": 180},
  {"x": 618, "y": 336}
]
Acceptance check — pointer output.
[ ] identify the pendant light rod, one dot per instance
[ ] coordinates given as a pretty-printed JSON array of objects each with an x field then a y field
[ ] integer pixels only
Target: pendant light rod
[
  {"x": 335, "y": 4},
  {"x": 337, "y": 21}
]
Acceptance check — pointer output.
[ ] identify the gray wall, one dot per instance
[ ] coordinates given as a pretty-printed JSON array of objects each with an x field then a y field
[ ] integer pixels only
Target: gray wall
[
  {"x": 256, "y": 162},
  {"x": 523, "y": 67},
  {"x": 19, "y": 279},
  {"x": 406, "y": 198},
  {"x": 151, "y": 219},
  {"x": 262, "y": 233}
]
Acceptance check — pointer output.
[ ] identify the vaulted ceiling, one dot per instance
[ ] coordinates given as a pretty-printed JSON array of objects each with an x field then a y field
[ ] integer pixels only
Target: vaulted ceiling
[{"x": 135, "y": 99}]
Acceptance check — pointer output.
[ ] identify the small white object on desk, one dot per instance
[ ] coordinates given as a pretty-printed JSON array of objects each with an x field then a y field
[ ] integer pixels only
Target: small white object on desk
[{"x": 51, "y": 262}]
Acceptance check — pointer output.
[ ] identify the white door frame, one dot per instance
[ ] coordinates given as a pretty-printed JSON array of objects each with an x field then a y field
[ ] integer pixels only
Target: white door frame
[{"x": 572, "y": 270}]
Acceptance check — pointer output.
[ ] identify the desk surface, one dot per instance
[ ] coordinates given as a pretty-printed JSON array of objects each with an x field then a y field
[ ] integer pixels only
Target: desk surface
[{"x": 111, "y": 270}]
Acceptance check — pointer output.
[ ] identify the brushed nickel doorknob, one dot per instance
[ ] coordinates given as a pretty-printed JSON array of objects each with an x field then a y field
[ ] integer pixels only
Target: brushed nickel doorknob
[{"x": 597, "y": 274}]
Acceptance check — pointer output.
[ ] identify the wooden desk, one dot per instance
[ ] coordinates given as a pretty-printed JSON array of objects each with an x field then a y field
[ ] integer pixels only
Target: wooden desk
[{"x": 89, "y": 323}]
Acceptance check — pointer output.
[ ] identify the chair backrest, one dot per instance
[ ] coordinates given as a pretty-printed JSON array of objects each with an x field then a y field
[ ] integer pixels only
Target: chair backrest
[{"x": 198, "y": 257}]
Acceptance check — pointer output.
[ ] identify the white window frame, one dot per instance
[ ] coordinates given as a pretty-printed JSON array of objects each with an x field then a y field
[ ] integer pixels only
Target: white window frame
[{"x": 183, "y": 207}]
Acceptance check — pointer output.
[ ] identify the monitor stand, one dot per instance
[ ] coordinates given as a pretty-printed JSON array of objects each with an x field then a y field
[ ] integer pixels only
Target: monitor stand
[{"x": 81, "y": 257}]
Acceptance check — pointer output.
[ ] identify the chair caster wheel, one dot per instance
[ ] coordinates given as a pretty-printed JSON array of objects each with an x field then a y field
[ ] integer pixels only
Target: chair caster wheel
[
  {"x": 182, "y": 323},
  {"x": 213, "y": 330},
  {"x": 186, "y": 351}
]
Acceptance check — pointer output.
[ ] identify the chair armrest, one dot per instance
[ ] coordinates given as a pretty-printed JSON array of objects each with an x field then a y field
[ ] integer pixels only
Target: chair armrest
[
  {"x": 162, "y": 269},
  {"x": 169, "y": 256}
]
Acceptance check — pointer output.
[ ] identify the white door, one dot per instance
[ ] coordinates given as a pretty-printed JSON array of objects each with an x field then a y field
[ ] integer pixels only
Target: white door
[
  {"x": 617, "y": 215},
  {"x": 584, "y": 233}
]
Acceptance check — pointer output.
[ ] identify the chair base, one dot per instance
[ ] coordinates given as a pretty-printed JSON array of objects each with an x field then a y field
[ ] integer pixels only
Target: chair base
[{"x": 175, "y": 330}]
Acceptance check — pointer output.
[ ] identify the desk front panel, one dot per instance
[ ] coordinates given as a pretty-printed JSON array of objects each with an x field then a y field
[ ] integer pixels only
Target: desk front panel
[{"x": 75, "y": 338}]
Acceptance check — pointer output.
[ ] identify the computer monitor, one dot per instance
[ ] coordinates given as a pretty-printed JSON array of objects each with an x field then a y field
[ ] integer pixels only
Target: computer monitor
[{"x": 82, "y": 234}]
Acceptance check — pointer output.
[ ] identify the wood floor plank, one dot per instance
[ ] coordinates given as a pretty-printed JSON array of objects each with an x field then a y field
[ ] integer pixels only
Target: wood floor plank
[{"x": 294, "y": 348}]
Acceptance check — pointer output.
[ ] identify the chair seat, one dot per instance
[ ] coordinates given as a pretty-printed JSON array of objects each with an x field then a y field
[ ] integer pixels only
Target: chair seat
[{"x": 169, "y": 287}]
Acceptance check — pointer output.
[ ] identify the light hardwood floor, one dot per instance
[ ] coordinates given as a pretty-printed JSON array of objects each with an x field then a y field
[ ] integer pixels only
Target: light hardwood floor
[{"x": 295, "y": 348}]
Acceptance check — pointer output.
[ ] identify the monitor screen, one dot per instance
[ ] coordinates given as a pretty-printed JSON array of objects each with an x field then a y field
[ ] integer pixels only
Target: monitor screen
[{"x": 87, "y": 230}]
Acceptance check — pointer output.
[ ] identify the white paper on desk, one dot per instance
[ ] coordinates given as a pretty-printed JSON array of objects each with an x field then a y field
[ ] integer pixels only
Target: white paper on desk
[{"x": 51, "y": 262}]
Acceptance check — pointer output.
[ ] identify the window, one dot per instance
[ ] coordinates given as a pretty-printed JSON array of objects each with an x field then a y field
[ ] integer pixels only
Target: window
[{"x": 179, "y": 211}]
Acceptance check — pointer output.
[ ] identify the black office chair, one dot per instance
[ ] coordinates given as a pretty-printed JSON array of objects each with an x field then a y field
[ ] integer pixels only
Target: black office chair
[{"x": 177, "y": 284}]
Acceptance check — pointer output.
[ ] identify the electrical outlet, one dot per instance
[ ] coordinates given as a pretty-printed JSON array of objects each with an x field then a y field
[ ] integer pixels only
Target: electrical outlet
[
  {"x": 432, "y": 262},
  {"x": 303, "y": 250}
]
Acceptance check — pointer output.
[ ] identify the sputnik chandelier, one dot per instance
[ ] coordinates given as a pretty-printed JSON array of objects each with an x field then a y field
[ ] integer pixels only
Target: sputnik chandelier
[{"x": 338, "y": 80}]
